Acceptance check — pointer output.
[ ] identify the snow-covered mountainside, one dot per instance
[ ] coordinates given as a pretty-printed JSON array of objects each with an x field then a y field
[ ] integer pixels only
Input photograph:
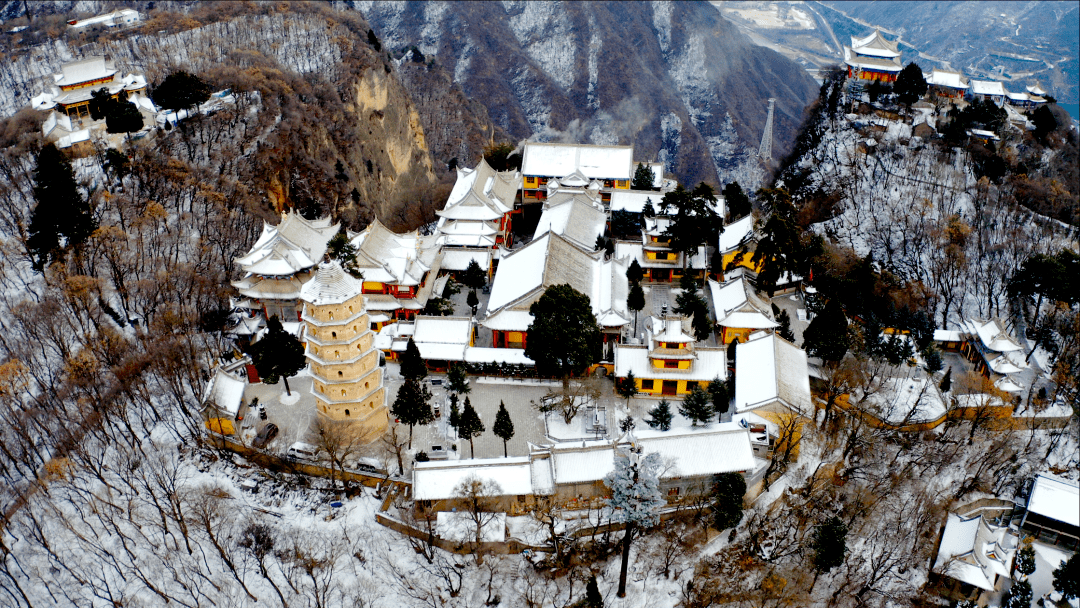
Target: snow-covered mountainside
[
  {"x": 922, "y": 208},
  {"x": 674, "y": 79}
]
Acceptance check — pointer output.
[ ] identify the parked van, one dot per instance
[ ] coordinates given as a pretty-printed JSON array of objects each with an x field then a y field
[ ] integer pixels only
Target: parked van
[{"x": 304, "y": 451}]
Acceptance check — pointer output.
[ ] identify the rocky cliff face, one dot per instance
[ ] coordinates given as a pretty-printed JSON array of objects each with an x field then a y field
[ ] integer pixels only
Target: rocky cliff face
[{"x": 674, "y": 79}]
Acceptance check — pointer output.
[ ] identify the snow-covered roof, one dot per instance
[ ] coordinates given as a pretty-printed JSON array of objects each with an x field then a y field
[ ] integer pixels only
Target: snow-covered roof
[
  {"x": 1009, "y": 384},
  {"x": 587, "y": 461},
  {"x": 594, "y": 162},
  {"x": 388, "y": 257},
  {"x": 225, "y": 392},
  {"x": 576, "y": 219},
  {"x": 976, "y": 552},
  {"x": 439, "y": 480},
  {"x": 708, "y": 363},
  {"x": 330, "y": 285},
  {"x": 543, "y": 475},
  {"x": 481, "y": 194},
  {"x": 993, "y": 335},
  {"x": 720, "y": 448},
  {"x": 284, "y": 288},
  {"x": 552, "y": 259},
  {"x": 876, "y": 45},
  {"x": 948, "y": 335},
  {"x": 1002, "y": 365},
  {"x": 987, "y": 87},
  {"x": 289, "y": 247},
  {"x": 1036, "y": 89},
  {"x": 880, "y": 64},
  {"x": 736, "y": 233},
  {"x": 74, "y": 137},
  {"x": 458, "y": 259},
  {"x": 508, "y": 320},
  {"x": 85, "y": 70},
  {"x": 944, "y": 78},
  {"x": 125, "y": 15},
  {"x": 520, "y": 272},
  {"x": 442, "y": 330},
  {"x": 687, "y": 452},
  {"x": 635, "y": 250},
  {"x": 736, "y": 305},
  {"x": 1056, "y": 498},
  {"x": 671, "y": 329},
  {"x": 479, "y": 354},
  {"x": 770, "y": 369},
  {"x": 56, "y": 120},
  {"x": 634, "y": 200}
]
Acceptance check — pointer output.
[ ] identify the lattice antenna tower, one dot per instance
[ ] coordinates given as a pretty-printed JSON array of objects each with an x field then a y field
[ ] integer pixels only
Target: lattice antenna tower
[{"x": 765, "y": 151}]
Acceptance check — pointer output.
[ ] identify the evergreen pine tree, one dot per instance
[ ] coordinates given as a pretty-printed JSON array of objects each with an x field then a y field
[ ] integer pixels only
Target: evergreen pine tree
[
  {"x": 737, "y": 203},
  {"x": 648, "y": 210},
  {"x": 1067, "y": 578},
  {"x": 721, "y": 400},
  {"x": 1018, "y": 596},
  {"x": 634, "y": 272},
  {"x": 474, "y": 276},
  {"x": 181, "y": 90},
  {"x": 643, "y": 178},
  {"x": 412, "y": 364},
  {"x": 457, "y": 378},
  {"x": 626, "y": 387},
  {"x": 635, "y": 300},
  {"x": 660, "y": 416},
  {"x": 123, "y": 117},
  {"x": 412, "y": 405},
  {"x": 933, "y": 359},
  {"x": 728, "y": 500},
  {"x": 339, "y": 248},
  {"x": 470, "y": 426},
  {"x": 61, "y": 209},
  {"x": 829, "y": 545},
  {"x": 278, "y": 355},
  {"x": 946, "y": 381},
  {"x": 1025, "y": 561},
  {"x": 455, "y": 413},
  {"x": 593, "y": 599},
  {"x": 503, "y": 427},
  {"x": 827, "y": 336},
  {"x": 697, "y": 406},
  {"x": 784, "y": 331},
  {"x": 910, "y": 84}
]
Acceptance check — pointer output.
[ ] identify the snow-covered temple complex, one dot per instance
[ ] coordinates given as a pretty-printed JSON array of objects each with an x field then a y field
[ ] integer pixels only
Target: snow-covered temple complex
[
  {"x": 478, "y": 211},
  {"x": 772, "y": 378},
  {"x": 995, "y": 353},
  {"x": 400, "y": 270},
  {"x": 280, "y": 262},
  {"x": 873, "y": 58},
  {"x": 738, "y": 310},
  {"x": 70, "y": 90},
  {"x": 670, "y": 362},
  {"x": 553, "y": 259},
  {"x": 575, "y": 166}
]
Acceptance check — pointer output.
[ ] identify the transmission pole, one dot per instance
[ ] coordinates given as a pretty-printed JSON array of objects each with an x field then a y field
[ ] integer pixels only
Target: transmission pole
[{"x": 765, "y": 151}]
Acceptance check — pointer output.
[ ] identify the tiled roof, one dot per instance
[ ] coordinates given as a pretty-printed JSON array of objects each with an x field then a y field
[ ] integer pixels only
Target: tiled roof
[{"x": 330, "y": 285}]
